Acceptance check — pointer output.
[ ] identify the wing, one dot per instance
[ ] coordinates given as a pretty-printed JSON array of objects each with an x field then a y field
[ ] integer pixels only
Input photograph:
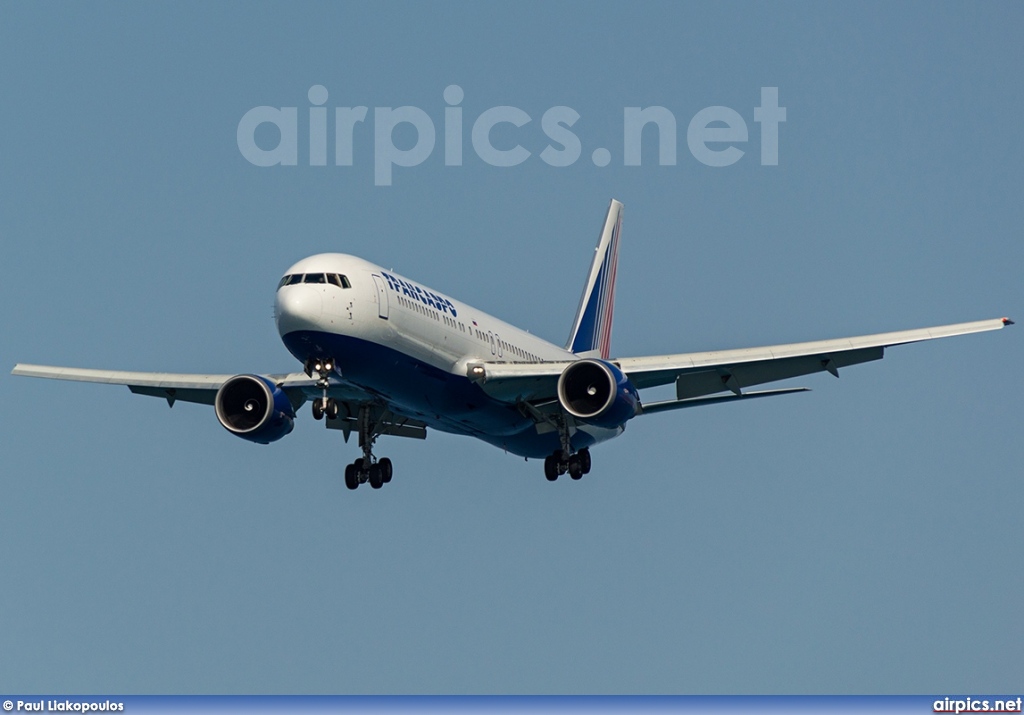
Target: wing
[
  {"x": 202, "y": 389},
  {"x": 186, "y": 387},
  {"x": 697, "y": 375}
]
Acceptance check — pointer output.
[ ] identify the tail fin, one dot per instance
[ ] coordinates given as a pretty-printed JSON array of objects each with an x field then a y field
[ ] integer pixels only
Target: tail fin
[{"x": 592, "y": 330}]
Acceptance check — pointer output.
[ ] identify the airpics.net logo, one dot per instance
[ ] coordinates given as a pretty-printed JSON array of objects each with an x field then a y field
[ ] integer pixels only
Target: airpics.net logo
[{"x": 714, "y": 135}]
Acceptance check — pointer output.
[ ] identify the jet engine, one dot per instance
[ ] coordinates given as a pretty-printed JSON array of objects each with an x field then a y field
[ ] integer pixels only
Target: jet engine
[
  {"x": 254, "y": 408},
  {"x": 596, "y": 392}
]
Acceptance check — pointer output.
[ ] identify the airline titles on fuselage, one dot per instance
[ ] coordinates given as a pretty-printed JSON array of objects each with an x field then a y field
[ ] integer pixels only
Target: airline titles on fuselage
[{"x": 411, "y": 290}]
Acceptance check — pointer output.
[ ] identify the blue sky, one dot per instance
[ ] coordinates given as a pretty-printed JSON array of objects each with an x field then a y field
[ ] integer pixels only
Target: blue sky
[{"x": 863, "y": 537}]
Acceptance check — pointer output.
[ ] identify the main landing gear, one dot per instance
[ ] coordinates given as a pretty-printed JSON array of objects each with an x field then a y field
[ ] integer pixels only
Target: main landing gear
[
  {"x": 561, "y": 462},
  {"x": 377, "y": 474},
  {"x": 368, "y": 468},
  {"x": 565, "y": 460}
]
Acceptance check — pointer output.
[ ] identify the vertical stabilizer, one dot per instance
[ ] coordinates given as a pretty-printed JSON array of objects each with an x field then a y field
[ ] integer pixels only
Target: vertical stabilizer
[{"x": 592, "y": 330}]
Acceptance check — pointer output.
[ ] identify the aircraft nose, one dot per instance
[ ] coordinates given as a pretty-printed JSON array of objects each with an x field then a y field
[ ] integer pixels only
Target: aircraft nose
[{"x": 298, "y": 307}]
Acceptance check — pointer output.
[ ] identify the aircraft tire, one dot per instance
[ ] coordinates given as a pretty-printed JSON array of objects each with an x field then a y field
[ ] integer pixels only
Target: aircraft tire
[
  {"x": 584, "y": 455},
  {"x": 318, "y": 409},
  {"x": 376, "y": 481},
  {"x": 386, "y": 469},
  {"x": 575, "y": 467},
  {"x": 351, "y": 476},
  {"x": 551, "y": 468}
]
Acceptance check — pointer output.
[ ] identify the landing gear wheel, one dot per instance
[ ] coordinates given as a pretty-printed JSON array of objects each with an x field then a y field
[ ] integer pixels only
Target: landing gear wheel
[
  {"x": 575, "y": 467},
  {"x": 318, "y": 408},
  {"x": 351, "y": 476},
  {"x": 551, "y": 468},
  {"x": 584, "y": 455},
  {"x": 332, "y": 408},
  {"x": 386, "y": 470},
  {"x": 376, "y": 479}
]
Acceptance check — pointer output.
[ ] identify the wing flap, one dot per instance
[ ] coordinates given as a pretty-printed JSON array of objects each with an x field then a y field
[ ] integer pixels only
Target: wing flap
[
  {"x": 738, "y": 376},
  {"x": 395, "y": 426},
  {"x": 174, "y": 394},
  {"x": 680, "y": 404}
]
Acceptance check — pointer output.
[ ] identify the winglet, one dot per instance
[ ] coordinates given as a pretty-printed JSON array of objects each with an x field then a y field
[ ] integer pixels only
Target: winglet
[{"x": 592, "y": 328}]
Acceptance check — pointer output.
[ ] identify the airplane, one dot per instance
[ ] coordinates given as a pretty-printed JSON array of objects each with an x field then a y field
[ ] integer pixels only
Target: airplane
[{"x": 383, "y": 355}]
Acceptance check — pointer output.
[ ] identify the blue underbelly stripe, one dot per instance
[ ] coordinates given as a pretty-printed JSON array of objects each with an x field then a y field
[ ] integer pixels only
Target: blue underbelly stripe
[{"x": 446, "y": 402}]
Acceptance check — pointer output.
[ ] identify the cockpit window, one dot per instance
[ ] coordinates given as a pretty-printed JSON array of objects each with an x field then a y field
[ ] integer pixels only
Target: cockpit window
[{"x": 332, "y": 278}]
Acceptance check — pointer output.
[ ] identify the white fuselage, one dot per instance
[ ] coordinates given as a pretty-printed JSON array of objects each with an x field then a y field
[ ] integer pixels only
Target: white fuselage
[
  {"x": 387, "y": 309},
  {"x": 411, "y": 346}
]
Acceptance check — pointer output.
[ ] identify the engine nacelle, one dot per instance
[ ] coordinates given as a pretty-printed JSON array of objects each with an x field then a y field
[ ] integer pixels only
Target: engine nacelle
[
  {"x": 254, "y": 408},
  {"x": 596, "y": 392}
]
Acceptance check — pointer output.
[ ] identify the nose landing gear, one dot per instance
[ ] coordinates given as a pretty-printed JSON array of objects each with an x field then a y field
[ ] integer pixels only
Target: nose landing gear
[
  {"x": 325, "y": 406},
  {"x": 323, "y": 367}
]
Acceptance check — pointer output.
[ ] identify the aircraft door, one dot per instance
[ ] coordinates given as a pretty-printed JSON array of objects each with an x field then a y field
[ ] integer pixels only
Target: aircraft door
[{"x": 382, "y": 297}]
